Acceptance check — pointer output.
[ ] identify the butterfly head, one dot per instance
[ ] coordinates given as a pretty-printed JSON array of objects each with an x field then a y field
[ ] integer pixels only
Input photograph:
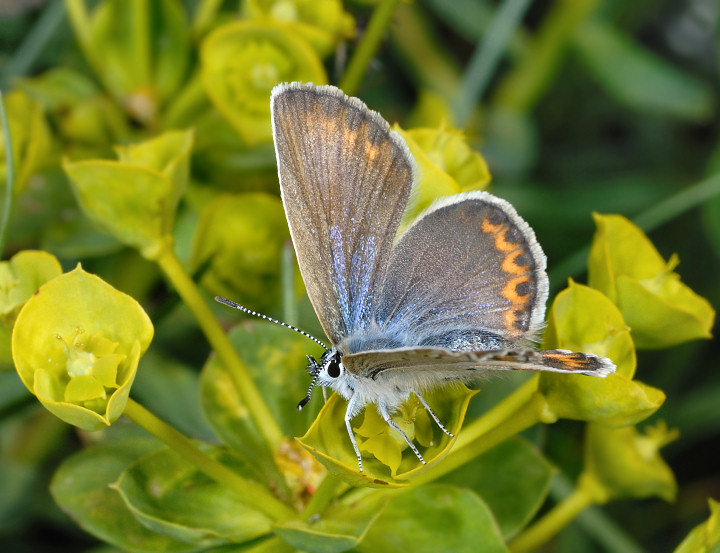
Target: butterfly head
[{"x": 329, "y": 372}]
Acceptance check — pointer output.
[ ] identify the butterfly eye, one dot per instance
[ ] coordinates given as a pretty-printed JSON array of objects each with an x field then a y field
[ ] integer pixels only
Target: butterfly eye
[{"x": 333, "y": 368}]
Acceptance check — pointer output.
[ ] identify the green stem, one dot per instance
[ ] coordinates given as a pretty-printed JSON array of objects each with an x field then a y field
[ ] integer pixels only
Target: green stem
[
  {"x": 34, "y": 42},
  {"x": 204, "y": 16},
  {"x": 251, "y": 492},
  {"x": 9, "y": 177},
  {"x": 379, "y": 21},
  {"x": 80, "y": 21},
  {"x": 246, "y": 388},
  {"x": 329, "y": 488},
  {"x": 141, "y": 40},
  {"x": 549, "y": 525},
  {"x": 498, "y": 414},
  {"x": 587, "y": 492},
  {"x": 486, "y": 58},
  {"x": 679, "y": 203},
  {"x": 648, "y": 220},
  {"x": 526, "y": 83},
  {"x": 186, "y": 106}
]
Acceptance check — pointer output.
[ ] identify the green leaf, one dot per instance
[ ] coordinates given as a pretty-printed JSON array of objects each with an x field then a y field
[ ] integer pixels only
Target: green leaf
[
  {"x": 81, "y": 486},
  {"x": 705, "y": 537},
  {"x": 341, "y": 529},
  {"x": 635, "y": 76},
  {"x": 135, "y": 199},
  {"x": 436, "y": 518},
  {"x": 512, "y": 478},
  {"x": 328, "y": 441},
  {"x": 65, "y": 331},
  {"x": 240, "y": 238},
  {"x": 243, "y": 61},
  {"x": 172, "y": 497},
  {"x": 660, "y": 310}
]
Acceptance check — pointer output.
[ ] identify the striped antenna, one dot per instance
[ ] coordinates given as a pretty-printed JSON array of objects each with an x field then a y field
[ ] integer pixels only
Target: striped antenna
[{"x": 244, "y": 309}]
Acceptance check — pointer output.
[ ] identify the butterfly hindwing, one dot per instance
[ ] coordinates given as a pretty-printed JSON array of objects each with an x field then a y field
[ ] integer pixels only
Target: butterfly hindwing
[{"x": 467, "y": 275}]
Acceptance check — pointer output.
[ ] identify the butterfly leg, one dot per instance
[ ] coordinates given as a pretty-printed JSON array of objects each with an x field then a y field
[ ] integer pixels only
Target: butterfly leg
[
  {"x": 382, "y": 408},
  {"x": 350, "y": 411},
  {"x": 432, "y": 414}
]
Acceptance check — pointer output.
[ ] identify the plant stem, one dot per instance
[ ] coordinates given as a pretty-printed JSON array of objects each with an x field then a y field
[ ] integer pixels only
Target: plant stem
[
  {"x": 254, "y": 494},
  {"x": 80, "y": 21},
  {"x": 204, "y": 15},
  {"x": 141, "y": 41},
  {"x": 330, "y": 487},
  {"x": 498, "y": 414},
  {"x": 679, "y": 203},
  {"x": 9, "y": 177},
  {"x": 550, "y": 524},
  {"x": 648, "y": 220},
  {"x": 24, "y": 56},
  {"x": 246, "y": 388},
  {"x": 587, "y": 492},
  {"x": 486, "y": 58},
  {"x": 374, "y": 33},
  {"x": 525, "y": 84}
]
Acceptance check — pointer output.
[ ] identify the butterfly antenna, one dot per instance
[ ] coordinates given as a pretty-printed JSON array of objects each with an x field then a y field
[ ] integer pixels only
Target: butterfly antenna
[
  {"x": 308, "y": 396},
  {"x": 244, "y": 309}
]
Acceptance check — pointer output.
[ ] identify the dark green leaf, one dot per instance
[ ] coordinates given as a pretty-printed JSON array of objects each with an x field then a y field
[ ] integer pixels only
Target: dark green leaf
[
  {"x": 171, "y": 496},
  {"x": 638, "y": 78},
  {"x": 81, "y": 486},
  {"x": 512, "y": 478},
  {"x": 436, "y": 518}
]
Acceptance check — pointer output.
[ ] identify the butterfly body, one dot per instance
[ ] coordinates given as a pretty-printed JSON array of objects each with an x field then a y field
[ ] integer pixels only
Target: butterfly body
[{"x": 460, "y": 292}]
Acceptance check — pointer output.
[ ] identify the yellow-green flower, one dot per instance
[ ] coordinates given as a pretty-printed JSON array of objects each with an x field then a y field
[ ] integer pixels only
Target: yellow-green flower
[
  {"x": 387, "y": 461},
  {"x": 624, "y": 463},
  {"x": 19, "y": 280},
  {"x": 704, "y": 537},
  {"x": 241, "y": 238},
  {"x": 30, "y": 136},
  {"x": 660, "y": 310},
  {"x": 135, "y": 198},
  {"x": 321, "y": 24},
  {"x": 583, "y": 319},
  {"x": 76, "y": 346},
  {"x": 447, "y": 165},
  {"x": 243, "y": 61}
]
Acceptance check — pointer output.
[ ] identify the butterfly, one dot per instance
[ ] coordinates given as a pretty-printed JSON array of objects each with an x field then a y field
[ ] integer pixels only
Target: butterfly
[{"x": 459, "y": 292}]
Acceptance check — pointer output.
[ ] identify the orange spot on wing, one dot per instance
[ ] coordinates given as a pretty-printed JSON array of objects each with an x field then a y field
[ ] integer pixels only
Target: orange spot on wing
[
  {"x": 510, "y": 290},
  {"x": 509, "y": 265},
  {"x": 567, "y": 361}
]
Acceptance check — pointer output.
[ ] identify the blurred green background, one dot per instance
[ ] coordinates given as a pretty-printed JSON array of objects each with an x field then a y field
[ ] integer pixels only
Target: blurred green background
[{"x": 606, "y": 106}]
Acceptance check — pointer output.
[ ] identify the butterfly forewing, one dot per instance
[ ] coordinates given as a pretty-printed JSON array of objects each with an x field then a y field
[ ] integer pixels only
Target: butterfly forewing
[{"x": 345, "y": 179}]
